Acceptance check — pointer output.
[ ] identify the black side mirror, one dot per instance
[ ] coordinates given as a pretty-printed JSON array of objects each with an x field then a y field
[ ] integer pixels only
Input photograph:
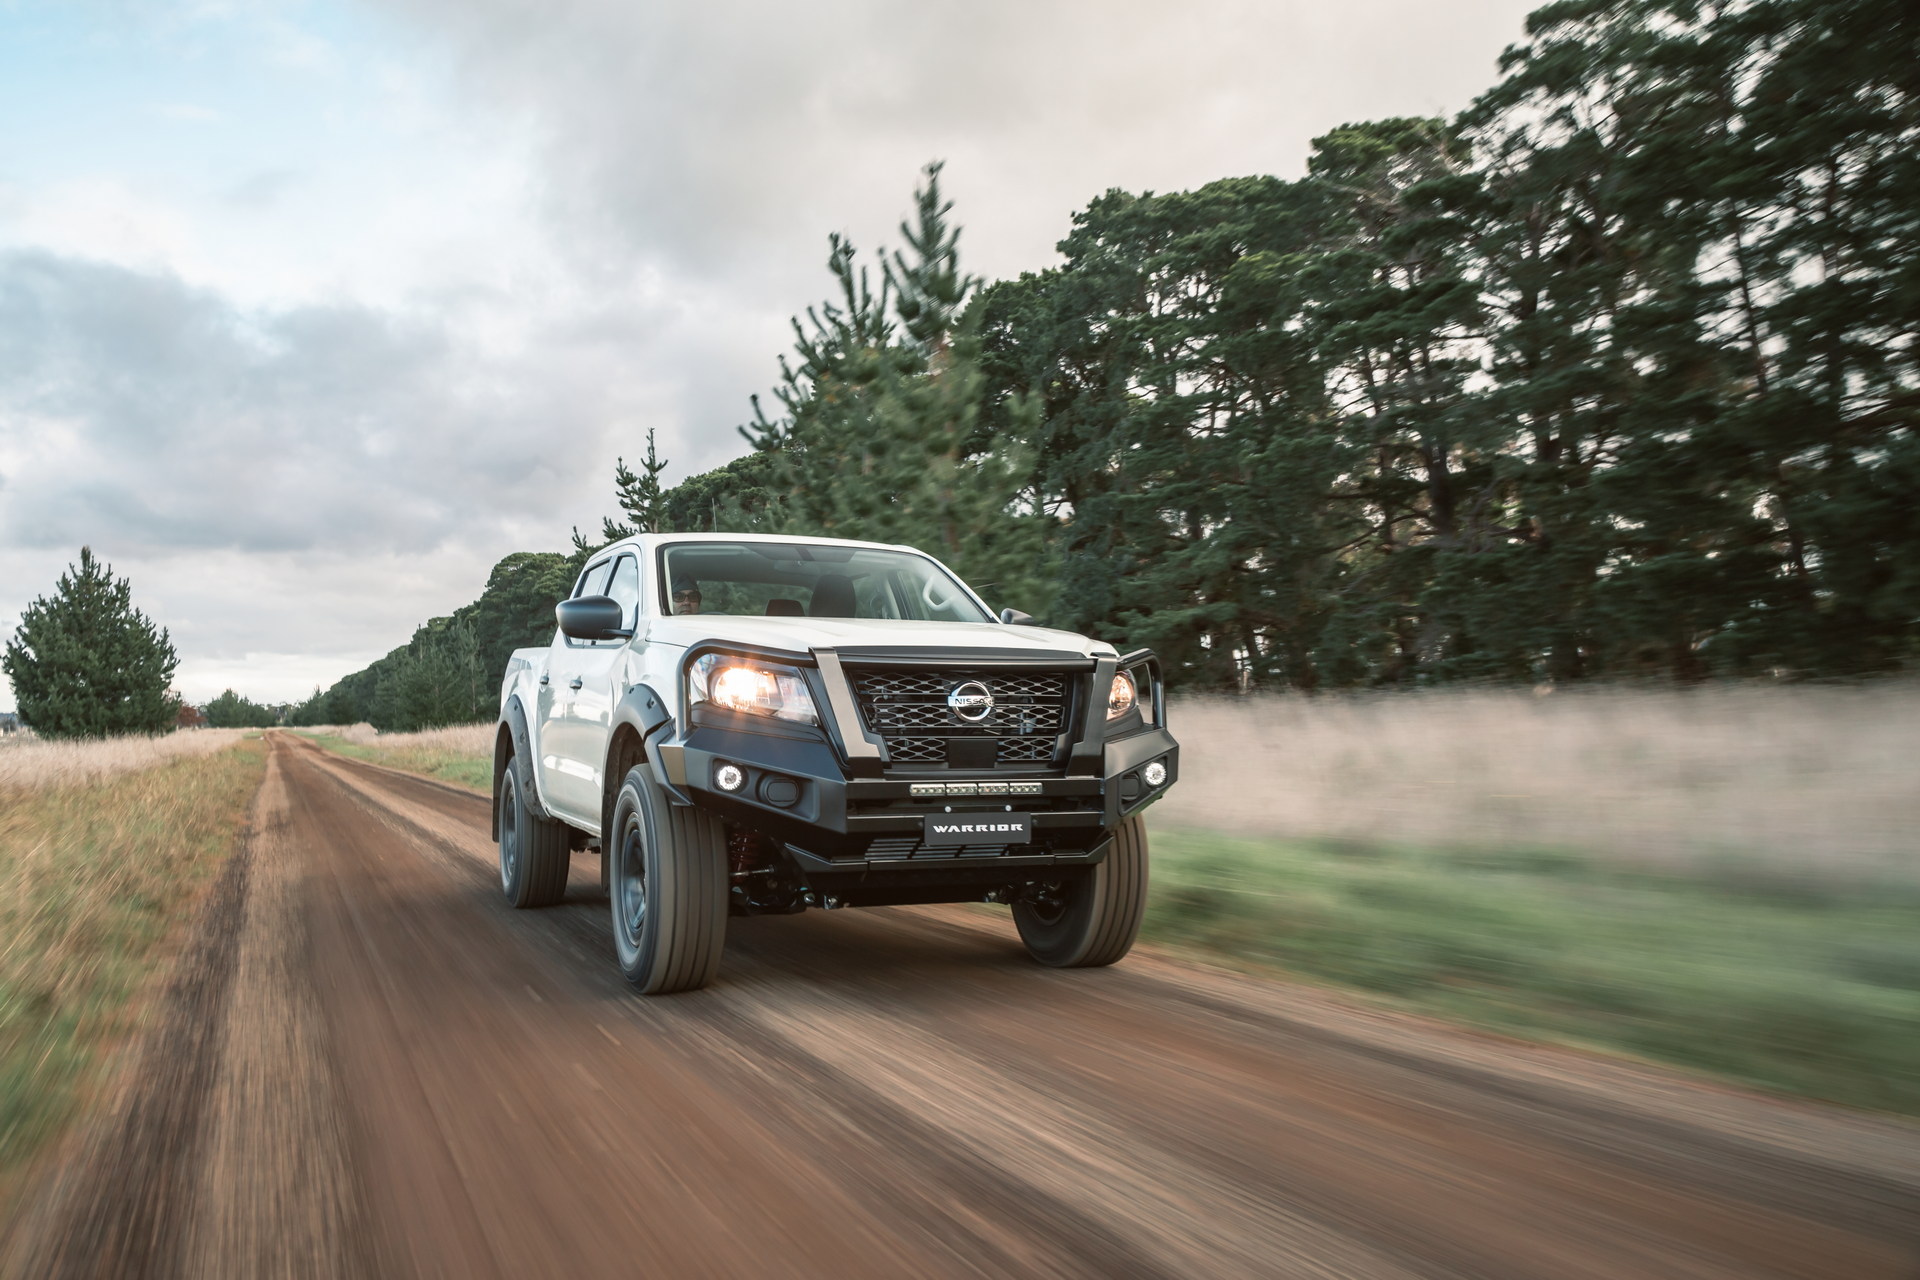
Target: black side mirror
[
  {"x": 1015, "y": 618},
  {"x": 591, "y": 618}
]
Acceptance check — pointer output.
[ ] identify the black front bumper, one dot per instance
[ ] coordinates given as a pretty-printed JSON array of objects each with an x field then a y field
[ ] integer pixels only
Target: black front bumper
[{"x": 842, "y": 815}]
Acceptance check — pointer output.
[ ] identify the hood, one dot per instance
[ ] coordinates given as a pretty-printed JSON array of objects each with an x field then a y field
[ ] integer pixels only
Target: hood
[{"x": 802, "y": 634}]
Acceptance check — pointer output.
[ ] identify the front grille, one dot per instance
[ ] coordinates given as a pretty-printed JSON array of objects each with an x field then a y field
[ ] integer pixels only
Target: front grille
[
  {"x": 895, "y": 848},
  {"x": 910, "y": 711},
  {"x": 917, "y": 750}
]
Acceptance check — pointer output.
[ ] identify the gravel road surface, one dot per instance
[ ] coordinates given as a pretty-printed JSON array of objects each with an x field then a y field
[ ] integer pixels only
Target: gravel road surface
[{"x": 367, "y": 1065}]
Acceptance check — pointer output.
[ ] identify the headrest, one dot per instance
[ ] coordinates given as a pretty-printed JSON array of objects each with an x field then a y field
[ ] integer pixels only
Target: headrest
[{"x": 779, "y": 608}]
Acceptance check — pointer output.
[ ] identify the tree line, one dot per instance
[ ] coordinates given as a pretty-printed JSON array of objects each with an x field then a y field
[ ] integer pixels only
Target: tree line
[{"x": 1613, "y": 375}]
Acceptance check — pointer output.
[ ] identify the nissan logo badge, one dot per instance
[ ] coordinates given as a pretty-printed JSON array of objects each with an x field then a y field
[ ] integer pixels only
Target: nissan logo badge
[{"x": 972, "y": 701}]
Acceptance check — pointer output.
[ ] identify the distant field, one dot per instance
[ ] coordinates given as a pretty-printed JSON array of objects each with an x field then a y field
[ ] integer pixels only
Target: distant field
[
  {"x": 30, "y": 763},
  {"x": 1725, "y": 879},
  {"x": 460, "y": 754},
  {"x": 103, "y": 846},
  {"x": 1794, "y": 783}
]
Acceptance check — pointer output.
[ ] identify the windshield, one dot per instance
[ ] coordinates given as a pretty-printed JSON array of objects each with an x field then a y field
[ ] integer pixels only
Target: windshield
[{"x": 799, "y": 580}]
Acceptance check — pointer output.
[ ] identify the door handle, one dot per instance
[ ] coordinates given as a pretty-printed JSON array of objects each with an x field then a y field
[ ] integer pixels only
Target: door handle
[{"x": 574, "y": 683}]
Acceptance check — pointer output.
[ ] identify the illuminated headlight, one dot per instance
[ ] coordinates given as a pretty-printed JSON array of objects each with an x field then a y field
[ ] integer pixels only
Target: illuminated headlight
[
  {"x": 757, "y": 688},
  {"x": 1155, "y": 774},
  {"x": 729, "y": 777},
  {"x": 1121, "y": 696}
]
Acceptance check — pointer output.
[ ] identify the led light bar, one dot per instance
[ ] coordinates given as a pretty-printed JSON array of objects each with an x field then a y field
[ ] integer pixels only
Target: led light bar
[{"x": 944, "y": 790}]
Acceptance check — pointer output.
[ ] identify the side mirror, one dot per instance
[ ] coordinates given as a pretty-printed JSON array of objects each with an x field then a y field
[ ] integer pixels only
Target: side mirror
[
  {"x": 591, "y": 618},
  {"x": 1015, "y": 618}
]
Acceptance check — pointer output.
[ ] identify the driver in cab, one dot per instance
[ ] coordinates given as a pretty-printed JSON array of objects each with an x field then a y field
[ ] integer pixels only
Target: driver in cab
[{"x": 686, "y": 595}]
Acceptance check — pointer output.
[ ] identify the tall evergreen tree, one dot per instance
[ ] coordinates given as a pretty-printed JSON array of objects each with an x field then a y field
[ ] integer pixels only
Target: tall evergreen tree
[
  {"x": 929, "y": 289},
  {"x": 886, "y": 435},
  {"x": 640, "y": 495},
  {"x": 85, "y": 663}
]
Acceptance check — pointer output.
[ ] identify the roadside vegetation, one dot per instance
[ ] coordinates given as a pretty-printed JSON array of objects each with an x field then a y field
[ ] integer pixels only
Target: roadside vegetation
[
  {"x": 103, "y": 846},
  {"x": 1799, "y": 784},
  {"x": 1724, "y": 878},
  {"x": 460, "y": 754},
  {"x": 1802, "y": 984},
  {"x": 29, "y": 764}
]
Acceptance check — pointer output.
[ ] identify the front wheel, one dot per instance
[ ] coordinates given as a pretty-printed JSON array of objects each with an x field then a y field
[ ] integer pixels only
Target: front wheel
[
  {"x": 667, "y": 882},
  {"x": 533, "y": 850},
  {"x": 1091, "y": 921}
]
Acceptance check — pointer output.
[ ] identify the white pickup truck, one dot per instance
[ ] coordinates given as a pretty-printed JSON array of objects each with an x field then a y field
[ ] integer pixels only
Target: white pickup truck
[{"x": 748, "y": 725}]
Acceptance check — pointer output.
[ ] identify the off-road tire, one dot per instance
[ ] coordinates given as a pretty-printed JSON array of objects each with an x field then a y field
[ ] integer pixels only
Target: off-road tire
[
  {"x": 533, "y": 850},
  {"x": 1098, "y": 915},
  {"x": 681, "y": 898}
]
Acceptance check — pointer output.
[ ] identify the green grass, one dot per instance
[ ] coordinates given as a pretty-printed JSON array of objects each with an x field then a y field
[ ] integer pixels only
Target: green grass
[
  {"x": 1786, "y": 983},
  {"x": 94, "y": 877},
  {"x": 473, "y": 772}
]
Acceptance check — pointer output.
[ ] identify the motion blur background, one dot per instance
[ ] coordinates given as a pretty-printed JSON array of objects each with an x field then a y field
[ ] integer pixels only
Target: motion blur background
[{"x": 1502, "y": 425}]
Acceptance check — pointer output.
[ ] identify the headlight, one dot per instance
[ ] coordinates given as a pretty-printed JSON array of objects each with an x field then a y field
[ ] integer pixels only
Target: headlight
[
  {"x": 1120, "y": 696},
  {"x": 757, "y": 688}
]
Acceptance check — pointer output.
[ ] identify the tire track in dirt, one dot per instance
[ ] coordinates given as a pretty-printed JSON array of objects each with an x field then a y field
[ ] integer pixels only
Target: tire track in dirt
[{"x": 125, "y": 1208}]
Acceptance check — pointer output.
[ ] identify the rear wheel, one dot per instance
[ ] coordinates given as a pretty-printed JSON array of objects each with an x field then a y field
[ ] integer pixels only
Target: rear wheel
[
  {"x": 1091, "y": 921},
  {"x": 667, "y": 884},
  {"x": 533, "y": 850}
]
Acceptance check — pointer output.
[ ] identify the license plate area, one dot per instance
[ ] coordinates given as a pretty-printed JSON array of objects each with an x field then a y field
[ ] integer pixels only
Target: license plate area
[{"x": 952, "y": 830}]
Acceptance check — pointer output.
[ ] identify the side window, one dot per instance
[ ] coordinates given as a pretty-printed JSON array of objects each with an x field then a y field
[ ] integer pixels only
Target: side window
[
  {"x": 594, "y": 581},
  {"x": 625, "y": 590}
]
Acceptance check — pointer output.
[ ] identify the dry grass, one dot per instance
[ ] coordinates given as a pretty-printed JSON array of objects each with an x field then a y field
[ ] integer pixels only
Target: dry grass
[
  {"x": 461, "y": 754},
  {"x": 1818, "y": 780},
  {"x": 464, "y": 739},
  {"x": 29, "y": 763},
  {"x": 102, "y": 847}
]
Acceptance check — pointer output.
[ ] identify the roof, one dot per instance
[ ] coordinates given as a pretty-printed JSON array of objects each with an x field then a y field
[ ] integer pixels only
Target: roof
[{"x": 657, "y": 539}]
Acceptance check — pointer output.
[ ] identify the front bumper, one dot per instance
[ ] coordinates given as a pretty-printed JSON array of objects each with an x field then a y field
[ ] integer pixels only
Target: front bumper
[{"x": 796, "y": 789}]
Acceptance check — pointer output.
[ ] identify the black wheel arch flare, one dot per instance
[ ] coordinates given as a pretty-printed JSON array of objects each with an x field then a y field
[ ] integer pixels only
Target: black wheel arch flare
[
  {"x": 513, "y": 740},
  {"x": 640, "y": 716}
]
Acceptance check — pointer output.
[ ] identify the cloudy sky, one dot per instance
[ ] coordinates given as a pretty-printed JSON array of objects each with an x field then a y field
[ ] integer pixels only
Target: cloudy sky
[{"x": 309, "y": 312}]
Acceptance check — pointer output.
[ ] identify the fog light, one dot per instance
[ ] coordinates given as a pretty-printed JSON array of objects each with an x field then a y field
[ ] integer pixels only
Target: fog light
[
  {"x": 729, "y": 777},
  {"x": 1155, "y": 774}
]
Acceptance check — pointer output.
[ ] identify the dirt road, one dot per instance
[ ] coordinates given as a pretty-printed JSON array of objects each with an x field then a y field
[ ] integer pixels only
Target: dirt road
[{"x": 370, "y": 1066}]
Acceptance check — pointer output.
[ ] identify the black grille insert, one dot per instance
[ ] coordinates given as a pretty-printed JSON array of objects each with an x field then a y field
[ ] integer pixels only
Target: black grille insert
[{"x": 916, "y": 711}]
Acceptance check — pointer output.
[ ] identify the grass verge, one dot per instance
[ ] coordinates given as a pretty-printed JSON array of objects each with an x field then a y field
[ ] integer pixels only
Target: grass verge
[
  {"x": 1796, "y": 985},
  {"x": 447, "y": 763},
  {"x": 93, "y": 877}
]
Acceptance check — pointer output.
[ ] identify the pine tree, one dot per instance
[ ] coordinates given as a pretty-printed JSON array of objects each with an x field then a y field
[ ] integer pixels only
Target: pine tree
[
  {"x": 887, "y": 437},
  {"x": 929, "y": 289},
  {"x": 233, "y": 711},
  {"x": 640, "y": 495},
  {"x": 86, "y": 664},
  {"x": 436, "y": 680}
]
